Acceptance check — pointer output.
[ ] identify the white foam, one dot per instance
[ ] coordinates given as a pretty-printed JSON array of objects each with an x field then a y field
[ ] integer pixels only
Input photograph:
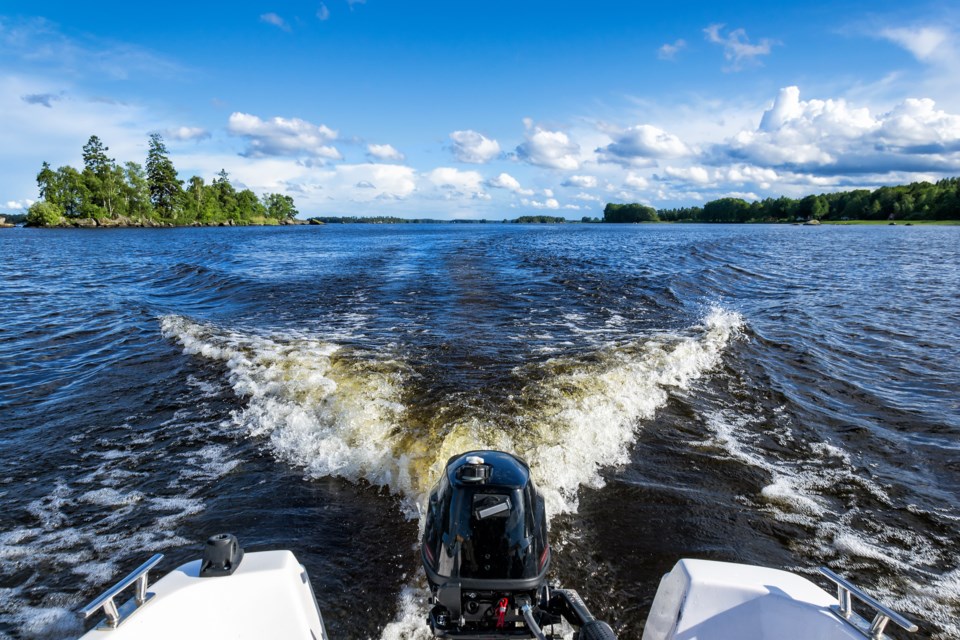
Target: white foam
[
  {"x": 61, "y": 534},
  {"x": 337, "y": 413},
  {"x": 803, "y": 492}
]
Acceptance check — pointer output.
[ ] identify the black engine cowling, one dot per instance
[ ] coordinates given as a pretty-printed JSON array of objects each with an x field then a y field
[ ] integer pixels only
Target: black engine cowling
[{"x": 486, "y": 554}]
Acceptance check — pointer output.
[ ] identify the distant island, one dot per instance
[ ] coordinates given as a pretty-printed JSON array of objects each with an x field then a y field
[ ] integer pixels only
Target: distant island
[
  {"x": 915, "y": 201},
  {"x": 104, "y": 194},
  {"x": 395, "y": 220}
]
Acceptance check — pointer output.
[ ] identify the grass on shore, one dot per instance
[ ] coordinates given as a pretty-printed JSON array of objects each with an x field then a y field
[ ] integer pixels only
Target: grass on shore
[{"x": 899, "y": 222}]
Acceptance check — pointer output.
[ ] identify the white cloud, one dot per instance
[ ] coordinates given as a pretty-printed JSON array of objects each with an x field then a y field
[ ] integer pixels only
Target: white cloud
[
  {"x": 925, "y": 43},
  {"x": 831, "y": 137},
  {"x": 457, "y": 183},
  {"x": 384, "y": 152},
  {"x": 586, "y": 197},
  {"x": 636, "y": 182},
  {"x": 283, "y": 136},
  {"x": 475, "y": 148},
  {"x": 642, "y": 145},
  {"x": 185, "y": 133},
  {"x": 552, "y": 149},
  {"x": 582, "y": 182},
  {"x": 323, "y": 13},
  {"x": 722, "y": 177},
  {"x": 697, "y": 175},
  {"x": 669, "y": 51},
  {"x": 275, "y": 20},
  {"x": 549, "y": 203},
  {"x": 737, "y": 47},
  {"x": 508, "y": 182},
  {"x": 19, "y": 204},
  {"x": 365, "y": 182}
]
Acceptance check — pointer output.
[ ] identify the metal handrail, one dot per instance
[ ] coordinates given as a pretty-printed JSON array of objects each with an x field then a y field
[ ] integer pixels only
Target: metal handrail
[
  {"x": 846, "y": 591},
  {"x": 105, "y": 600}
]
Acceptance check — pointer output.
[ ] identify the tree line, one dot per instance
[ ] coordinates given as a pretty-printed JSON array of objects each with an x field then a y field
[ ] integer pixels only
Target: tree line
[
  {"x": 108, "y": 193},
  {"x": 915, "y": 201}
]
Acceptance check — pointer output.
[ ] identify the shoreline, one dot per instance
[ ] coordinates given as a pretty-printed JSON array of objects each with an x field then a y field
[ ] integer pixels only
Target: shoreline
[{"x": 89, "y": 223}]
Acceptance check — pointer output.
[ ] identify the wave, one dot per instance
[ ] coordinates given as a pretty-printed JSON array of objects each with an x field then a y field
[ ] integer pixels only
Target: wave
[
  {"x": 825, "y": 492},
  {"x": 336, "y": 411}
]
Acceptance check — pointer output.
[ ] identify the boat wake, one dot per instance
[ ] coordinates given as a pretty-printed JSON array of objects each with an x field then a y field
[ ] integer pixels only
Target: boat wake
[{"x": 336, "y": 411}]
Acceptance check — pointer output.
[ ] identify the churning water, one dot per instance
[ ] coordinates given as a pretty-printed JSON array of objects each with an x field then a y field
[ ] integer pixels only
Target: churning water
[{"x": 776, "y": 395}]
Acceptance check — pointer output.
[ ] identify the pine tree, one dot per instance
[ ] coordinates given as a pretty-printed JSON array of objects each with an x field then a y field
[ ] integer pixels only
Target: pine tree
[{"x": 165, "y": 188}]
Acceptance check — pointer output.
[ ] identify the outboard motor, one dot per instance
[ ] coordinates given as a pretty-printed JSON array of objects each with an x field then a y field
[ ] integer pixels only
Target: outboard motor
[{"x": 486, "y": 555}]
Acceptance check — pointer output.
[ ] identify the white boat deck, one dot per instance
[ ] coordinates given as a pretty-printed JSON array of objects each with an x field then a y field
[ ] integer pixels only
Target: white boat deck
[{"x": 268, "y": 596}]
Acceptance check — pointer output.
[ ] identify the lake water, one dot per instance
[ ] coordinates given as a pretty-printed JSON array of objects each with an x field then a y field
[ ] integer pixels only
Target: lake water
[{"x": 778, "y": 395}]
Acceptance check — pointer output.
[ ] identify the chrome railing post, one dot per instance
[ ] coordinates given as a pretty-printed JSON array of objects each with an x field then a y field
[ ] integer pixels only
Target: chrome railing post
[
  {"x": 846, "y": 591},
  {"x": 116, "y": 615}
]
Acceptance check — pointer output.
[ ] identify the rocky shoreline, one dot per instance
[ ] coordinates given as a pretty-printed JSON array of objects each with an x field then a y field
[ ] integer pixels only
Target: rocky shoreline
[{"x": 144, "y": 223}]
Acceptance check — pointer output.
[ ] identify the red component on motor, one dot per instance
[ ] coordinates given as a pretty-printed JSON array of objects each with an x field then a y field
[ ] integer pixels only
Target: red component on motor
[{"x": 502, "y": 612}]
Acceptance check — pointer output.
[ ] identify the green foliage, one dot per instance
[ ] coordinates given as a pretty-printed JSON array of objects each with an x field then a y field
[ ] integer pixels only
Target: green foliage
[
  {"x": 726, "y": 210},
  {"x": 540, "y": 220},
  {"x": 44, "y": 214},
  {"x": 916, "y": 201},
  {"x": 132, "y": 195},
  {"x": 629, "y": 213},
  {"x": 165, "y": 187},
  {"x": 279, "y": 207}
]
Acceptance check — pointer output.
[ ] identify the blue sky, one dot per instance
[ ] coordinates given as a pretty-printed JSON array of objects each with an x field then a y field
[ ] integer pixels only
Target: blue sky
[{"x": 489, "y": 109}]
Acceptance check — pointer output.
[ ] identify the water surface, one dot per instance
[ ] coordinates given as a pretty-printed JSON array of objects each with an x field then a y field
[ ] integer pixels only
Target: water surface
[{"x": 776, "y": 395}]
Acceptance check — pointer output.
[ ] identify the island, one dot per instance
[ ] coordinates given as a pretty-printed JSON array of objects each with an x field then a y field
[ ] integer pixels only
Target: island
[{"x": 105, "y": 194}]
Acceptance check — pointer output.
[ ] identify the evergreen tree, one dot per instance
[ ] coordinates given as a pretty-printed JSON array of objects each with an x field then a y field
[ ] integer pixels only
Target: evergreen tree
[
  {"x": 46, "y": 181},
  {"x": 101, "y": 179},
  {"x": 165, "y": 188}
]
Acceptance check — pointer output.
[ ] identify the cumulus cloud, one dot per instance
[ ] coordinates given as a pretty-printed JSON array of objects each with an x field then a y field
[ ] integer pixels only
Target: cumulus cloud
[
  {"x": 384, "y": 152},
  {"x": 669, "y": 51},
  {"x": 636, "y": 182},
  {"x": 283, "y": 137},
  {"x": 43, "y": 99},
  {"x": 186, "y": 133},
  {"x": 275, "y": 20},
  {"x": 722, "y": 177},
  {"x": 582, "y": 182},
  {"x": 508, "y": 182},
  {"x": 19, "y": 204},
  {"x": 323, "y": 13},
  {"x": 831, "y": 137},
  {"x": 642, "y": 146},
  {"x": 549, "y": 203},
  {"x": 737, "y": 48},
  {"x": 457, "y": 183},
  {"x": 366, "y": 182},
  {"x": 551, "y": 149},
  {"x": 475, "y": 148}
]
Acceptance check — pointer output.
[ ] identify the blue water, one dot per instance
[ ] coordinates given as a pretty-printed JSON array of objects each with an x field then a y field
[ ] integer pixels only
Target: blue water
[{"x": 778, "y": 395}]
